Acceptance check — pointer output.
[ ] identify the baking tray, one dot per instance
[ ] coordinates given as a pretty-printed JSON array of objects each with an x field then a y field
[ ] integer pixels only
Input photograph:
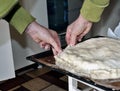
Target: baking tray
[{"x": 47, "y": 59}]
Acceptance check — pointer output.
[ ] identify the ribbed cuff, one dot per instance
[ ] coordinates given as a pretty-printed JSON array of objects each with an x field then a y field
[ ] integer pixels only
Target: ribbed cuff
[
  {"x": 21, "y": 20},
  {"x": 92, "y": 11}
]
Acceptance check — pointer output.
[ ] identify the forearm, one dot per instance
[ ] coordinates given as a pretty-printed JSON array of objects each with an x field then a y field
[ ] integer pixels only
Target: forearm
[
  {"x": 92, "y": 9},
  {"x": 19, "y": 18}
]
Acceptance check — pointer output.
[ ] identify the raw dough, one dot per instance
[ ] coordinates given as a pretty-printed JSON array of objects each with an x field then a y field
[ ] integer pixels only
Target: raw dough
[{"x": 96, "y": 58}]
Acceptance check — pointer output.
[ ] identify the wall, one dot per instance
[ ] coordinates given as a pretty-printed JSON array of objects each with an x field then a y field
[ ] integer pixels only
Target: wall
[
  {"x": 74, "y": 9},
  {"x": 23, "y": 45}
]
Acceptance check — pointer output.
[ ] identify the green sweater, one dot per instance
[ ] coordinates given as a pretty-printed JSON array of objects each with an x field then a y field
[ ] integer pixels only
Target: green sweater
[
  {"x": 92, "y": 9},
  {"x": 19, "y": 18},
  {"x": 16, "y": 15}
]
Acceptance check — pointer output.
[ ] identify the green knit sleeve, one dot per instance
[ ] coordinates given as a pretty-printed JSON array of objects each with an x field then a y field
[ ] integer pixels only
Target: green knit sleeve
[
  {"x": 92, "y": 9},
  {"x": 21, "y": 19}
]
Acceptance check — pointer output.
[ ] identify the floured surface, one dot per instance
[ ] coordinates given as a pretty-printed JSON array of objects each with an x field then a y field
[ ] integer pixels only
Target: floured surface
[{"x": 96, "y": 58}]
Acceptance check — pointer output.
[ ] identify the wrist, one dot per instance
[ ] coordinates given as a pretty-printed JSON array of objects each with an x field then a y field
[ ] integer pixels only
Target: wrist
[
  {"x": 30, "y": 27},
  {"x": 83, "y": 19}
]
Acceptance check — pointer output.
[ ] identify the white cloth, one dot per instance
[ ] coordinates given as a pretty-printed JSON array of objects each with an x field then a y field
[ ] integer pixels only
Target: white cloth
[{"x": 115, "y": 33}]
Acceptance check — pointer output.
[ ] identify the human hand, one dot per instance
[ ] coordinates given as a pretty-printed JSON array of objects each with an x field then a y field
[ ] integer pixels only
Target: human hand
[
  {"x": 75, "y": 31},
  {"x": 44, "y": 37}
]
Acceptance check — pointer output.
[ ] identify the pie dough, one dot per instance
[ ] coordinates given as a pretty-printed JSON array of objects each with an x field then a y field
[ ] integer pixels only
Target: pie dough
[{"x": 96, "y": 58}]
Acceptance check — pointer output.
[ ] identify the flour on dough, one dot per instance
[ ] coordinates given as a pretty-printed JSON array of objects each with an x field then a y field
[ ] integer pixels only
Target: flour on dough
[{"x": 96, "y": 58}]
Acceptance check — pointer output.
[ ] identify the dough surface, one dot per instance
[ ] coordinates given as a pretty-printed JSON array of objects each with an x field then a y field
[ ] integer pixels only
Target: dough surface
[{"x": 96, "y": 58}]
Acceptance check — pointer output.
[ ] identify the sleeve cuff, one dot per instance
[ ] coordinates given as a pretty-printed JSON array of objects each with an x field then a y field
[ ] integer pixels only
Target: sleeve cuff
[
  {"x": 21, "y": 20},
  {"x": 92, "y": 11}
]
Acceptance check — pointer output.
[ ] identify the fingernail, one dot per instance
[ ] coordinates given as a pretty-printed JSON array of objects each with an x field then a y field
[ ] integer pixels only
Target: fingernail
[
  {"x": 71, "y": 44},
  {"x": 47, "y": 48},
  {"x": 79, "y": 40}
]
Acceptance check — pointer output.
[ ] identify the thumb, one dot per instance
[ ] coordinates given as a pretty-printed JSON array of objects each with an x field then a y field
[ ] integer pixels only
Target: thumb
[{"x": 55, "y": 46}]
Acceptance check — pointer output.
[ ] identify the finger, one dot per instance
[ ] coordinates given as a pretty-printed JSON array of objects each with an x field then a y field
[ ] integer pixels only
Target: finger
[
  {"x": 47, "y": 47},
  {"x": 54, "y": 51},
  {"x": 57, "y": 39},
  {"x": 79, "y": 38},
  {"x": 55, "y": 45},
  {"x": 42, "y": 44},
  {"x": 74, "y": 35},
  {"x": 83, "y": 33},
  {"x": 73, "y": 39},
  {"x": 68, "y": 35},
  {"x": 54, "y": 41}
]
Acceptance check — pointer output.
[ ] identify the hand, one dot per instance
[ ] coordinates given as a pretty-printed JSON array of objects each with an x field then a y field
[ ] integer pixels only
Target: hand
[
  {"x": 44, "y": 37},
  {"x": 75, "y": 31}
]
